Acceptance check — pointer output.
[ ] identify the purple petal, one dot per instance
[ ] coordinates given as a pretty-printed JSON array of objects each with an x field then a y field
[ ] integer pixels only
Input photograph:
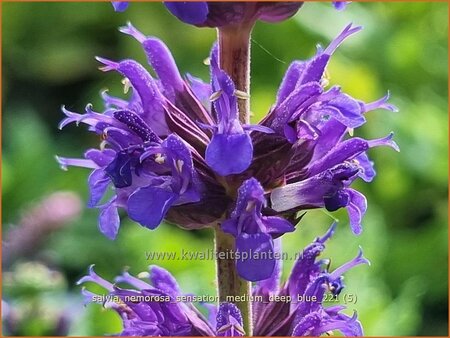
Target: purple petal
[
  {"x": 159, "y": 57},
  {"x": 146, "y": 311},
  {"x": 177, "y": 150},
  {"x": 129, "y": 29},
  {"x": 109, "y": 220},
  {"x": 120, "y": 6},
  {"x": 88, "y": 297},
  {"x": 315, "y": 291},
  {"x": 94, "y": 278},
  {"x": 90, "y": 118},
  {"x": 341, "y": 152},
  {"x": 64, "y": 162},
  {"x": 201, "y": 89},
  {"x": 226, "y": 101},
  {"x": 101, "y": 157},
  {"x": 163, "y": 280},
  {"x": 328, "y": 234},
  {"x": 367, "y": 170},
  {"x": 290, "y": 79},
  {"x": 348, "y": 30},
  {"x": 162, "y": 61},
  {"x": 201, "y": 326},
  {"x": 384, "y": 141},
  {"x": 133, "y": 281},
  {"x": 304, "y": 269},
  {"x": 193, "y": 13},
  {"x": 150, "y": 330},
  {"x": 212, "y": 313},
  {"x": 356, "y": 210},
  {"x": 112, "y": 101},
  {"x": 98, "y": 183},
  {"x": 229, "y": 321},
  {"x": 290, "y": 133},
  {"x": 230, "y": 226},
  {"x": 339, "y": 200},
  {"x": 149, "y": 205},
  {"x": 259, "y": 128},
  {"x": 311, "y": 192},
  {"x": 271, "y": 285},
  {"x": 358, "y": 260},
  {"x": 120, "y": 138},
  {"x": 136, "y": 124},
  {"x": 277, "y": 225},
  {"x": 340, "y": 5},
  {"x": 257, "y": 260},
  {"x": 336, "y": 286},
  {"x": 314, "y": 68},
  {"x": 249, "y": 191},
  {"x": 348, "y": 150},
  {"x": 147, "y": 89},
  {"x": 119, "y": 170},
  {"x": 190, "y": 195},
  {"x": 349, "y": 326},
  {"x": 330, "y": 135},
  {"x": 307, "y": 324},
  {"x": 306, "y": 131},
  {"x": 346, "y": 110},
  {"x": 380, "y": 104},
  {"x": 229, "y": 153},
  {"x": 229, "y": 141},
  {"x": 141, "y": 80},
  {"x": 180, "y": 161},
  {"x": 284, "y": 111}
]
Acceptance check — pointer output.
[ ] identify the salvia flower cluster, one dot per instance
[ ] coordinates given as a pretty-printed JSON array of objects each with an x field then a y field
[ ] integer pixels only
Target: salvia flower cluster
[
  {"x": 150, "y": 306},
  {"x": 176, "y": 149},
  {"x": 170, "y": 153}
]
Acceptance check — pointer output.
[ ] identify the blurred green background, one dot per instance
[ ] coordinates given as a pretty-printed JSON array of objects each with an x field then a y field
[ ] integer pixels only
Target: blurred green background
[{"x": 48, "y": 60}]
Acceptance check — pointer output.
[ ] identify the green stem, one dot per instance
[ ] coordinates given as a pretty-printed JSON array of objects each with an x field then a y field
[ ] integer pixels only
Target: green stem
[
  {"x": 234, "y": 58},
  {"x": 231, "y": 287}
]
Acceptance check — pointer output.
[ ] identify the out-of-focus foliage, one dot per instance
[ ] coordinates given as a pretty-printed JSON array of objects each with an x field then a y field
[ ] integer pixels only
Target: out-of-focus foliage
[{"x": 48, "y": 60}]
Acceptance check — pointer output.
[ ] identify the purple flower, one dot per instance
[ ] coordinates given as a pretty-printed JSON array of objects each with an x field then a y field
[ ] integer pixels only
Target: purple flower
[
  {"x": 120, "y": 6},
  {"x": 157, "y": 307},
  {"x": 150, "y": 147},
  {"x": 320, "y": 163},
  {"x": 150, "y": 308},
  {"x": 229, "y": 137},
  {"x": 149, "y": 175},
  {"x": 254, "y": 232},
  {"x": 340, "y": 5},
  {"x": 310, "y": 280},
  {"x": 149, "y": 204},
  {"x": 175, "y": 149},
  {"x": 218, "y": 14},
  {"x": 229, "y": 321}
]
